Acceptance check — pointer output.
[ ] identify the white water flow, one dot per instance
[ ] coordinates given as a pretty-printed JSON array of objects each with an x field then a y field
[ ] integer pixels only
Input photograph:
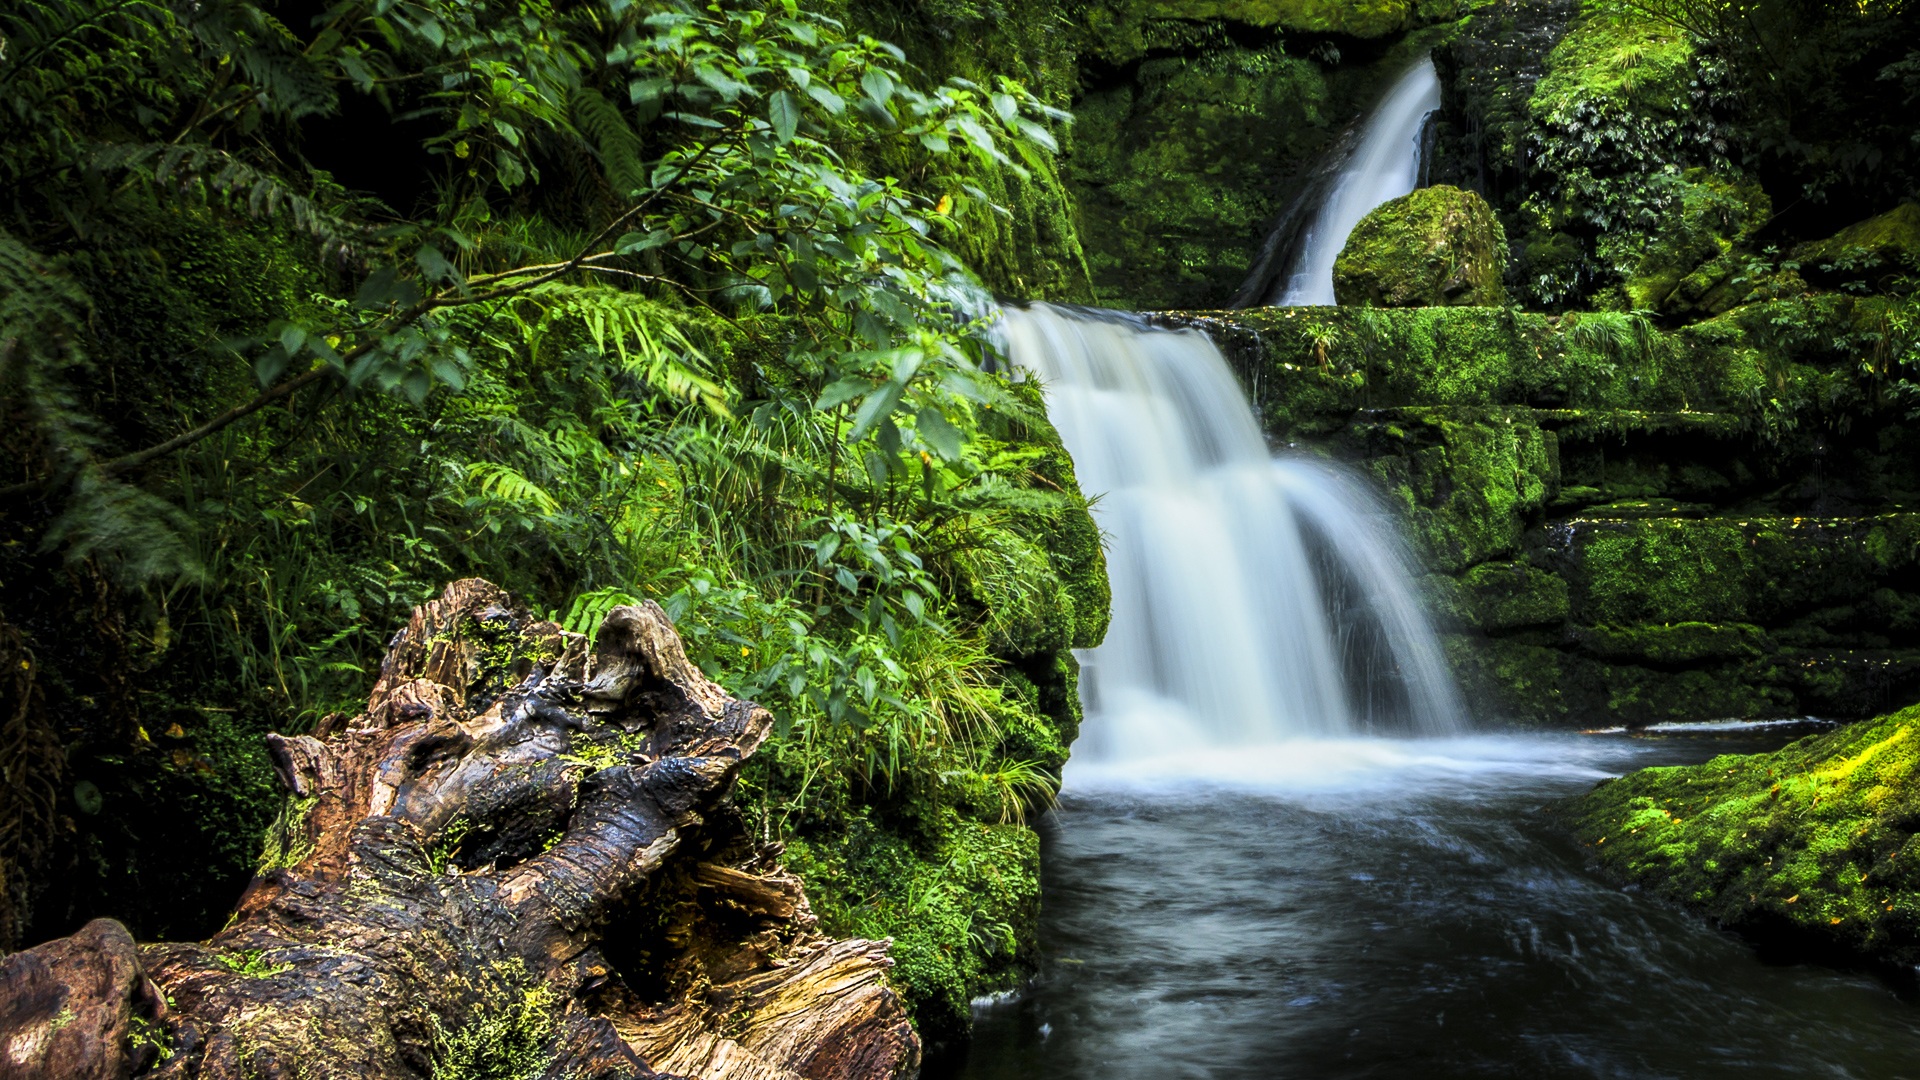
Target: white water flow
[
  {"x": 1222, "y": 634},
  {"x": 1385, "y": 164}
]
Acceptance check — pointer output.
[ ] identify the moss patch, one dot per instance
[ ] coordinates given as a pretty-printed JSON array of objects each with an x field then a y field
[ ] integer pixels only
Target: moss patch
[
  {"x": 1816, "y": 841},
  {"x": 962, "y": 910},
  {"x": 1890, "y": 240}
]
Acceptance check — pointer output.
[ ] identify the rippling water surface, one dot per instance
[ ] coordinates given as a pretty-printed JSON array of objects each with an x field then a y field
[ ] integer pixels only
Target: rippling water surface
[{"x": 1376, "y": 908}]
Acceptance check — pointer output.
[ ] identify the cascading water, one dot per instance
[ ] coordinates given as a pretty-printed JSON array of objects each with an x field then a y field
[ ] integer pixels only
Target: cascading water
[
  {"x": 1384, "y": 164},
  {"x": 1221, "y": 633}
]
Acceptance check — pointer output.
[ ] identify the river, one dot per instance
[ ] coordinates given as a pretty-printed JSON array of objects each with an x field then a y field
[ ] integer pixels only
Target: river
[{"x": 1379, "y": 908}]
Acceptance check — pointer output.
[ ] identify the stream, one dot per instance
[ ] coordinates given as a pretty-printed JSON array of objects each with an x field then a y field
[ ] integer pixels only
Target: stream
[{"x": 1398, "y": 908}]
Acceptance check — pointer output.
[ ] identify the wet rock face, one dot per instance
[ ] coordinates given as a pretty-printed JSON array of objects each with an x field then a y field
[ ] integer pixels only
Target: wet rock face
[{"x": 1436, "y": 247}]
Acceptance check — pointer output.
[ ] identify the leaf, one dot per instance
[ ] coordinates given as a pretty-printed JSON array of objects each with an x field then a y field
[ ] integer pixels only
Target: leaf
[
  {"x": 435, "y": 265},
  {"x": 635, "y": 242},
  {"x": 729, "y": 89},
  {"x": 939, "y": 433},
  {"x": 270, "y": 365},
  {"x": 843, "y": 391},
  {"x": 828, "y": 100},
  {"x": 824, "y": 549},
  {"x": 385, "y": 288},
  {"x": 784, "y": 112},
  {"x": 876, "y": 408},
  {"x": 416, "y": 386},
  {"x": 1037, "y": 134},
  {"x": 846, "y": 579},
  {"x": 877, "y": 113},
  {"x": 878, "y": 85}
]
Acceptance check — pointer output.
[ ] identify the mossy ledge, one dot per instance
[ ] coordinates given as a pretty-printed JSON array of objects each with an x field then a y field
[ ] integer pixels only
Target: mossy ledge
[
  {"x": 1815, "y": 847},
  {"x": 1651, "y": 524}
]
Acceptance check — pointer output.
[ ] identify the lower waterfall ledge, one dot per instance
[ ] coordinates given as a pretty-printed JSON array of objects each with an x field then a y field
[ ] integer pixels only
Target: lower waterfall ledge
[{"x": 1815, "y": 847}]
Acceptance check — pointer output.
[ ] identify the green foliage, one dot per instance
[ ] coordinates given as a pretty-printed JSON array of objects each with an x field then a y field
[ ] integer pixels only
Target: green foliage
[
  {"x": 666, "y": 323},
  {"x": 1626, "y": 107},
  {"x": 1800, "y": 74},
  {"x": 957, "y": 907}
]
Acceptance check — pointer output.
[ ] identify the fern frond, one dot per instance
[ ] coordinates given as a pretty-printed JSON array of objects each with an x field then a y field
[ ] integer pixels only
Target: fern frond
[
  {"x": 508, "y": 485},
  {"x": 612, "y": 139},
  {"x": 213, "y": 174},
  {"x": 43, "y": 314},
  {"x": 642, "y": 335}
]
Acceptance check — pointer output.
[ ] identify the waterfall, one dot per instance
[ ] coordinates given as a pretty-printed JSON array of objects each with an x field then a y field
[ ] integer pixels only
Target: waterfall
[
  {"x": 1225, "y": 631},
  {"x": 1383, "y": 163}
]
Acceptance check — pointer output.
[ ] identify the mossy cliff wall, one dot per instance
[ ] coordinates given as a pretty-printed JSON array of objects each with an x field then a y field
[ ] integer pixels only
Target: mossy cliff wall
[
  {"x": 1196, "y": 123},
  {"x": 1624, "y": 524}
]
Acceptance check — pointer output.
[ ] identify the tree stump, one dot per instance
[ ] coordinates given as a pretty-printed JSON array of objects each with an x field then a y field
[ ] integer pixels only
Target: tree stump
[{"x": 519, "y": 861}]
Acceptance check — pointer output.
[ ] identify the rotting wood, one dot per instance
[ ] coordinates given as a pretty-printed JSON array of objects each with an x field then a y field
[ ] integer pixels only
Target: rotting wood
[{"x": 515, "y": 813}]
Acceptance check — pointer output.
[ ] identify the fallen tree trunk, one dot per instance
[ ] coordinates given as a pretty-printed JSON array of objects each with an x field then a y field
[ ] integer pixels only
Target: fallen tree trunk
[{"x": 519, "y": 861}]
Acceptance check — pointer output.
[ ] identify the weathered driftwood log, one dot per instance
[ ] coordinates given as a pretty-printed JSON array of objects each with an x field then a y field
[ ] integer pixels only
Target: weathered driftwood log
[{"x": 521, "y": 826}]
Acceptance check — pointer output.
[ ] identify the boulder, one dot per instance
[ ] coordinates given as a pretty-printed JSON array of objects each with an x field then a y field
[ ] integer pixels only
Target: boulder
[
  {"x": 1816, "y": 845},
  {"x": 1436, "y": 247},
  {"x": 1878, "y": 245}
]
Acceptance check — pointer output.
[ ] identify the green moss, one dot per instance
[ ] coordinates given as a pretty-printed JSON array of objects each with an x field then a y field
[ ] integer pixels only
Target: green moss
[
  {"x": 1467, "y": 478},
  {"x": 1513, "y": 680},
  {"x": 1674, "y": 643},
  {"x": 1891, "y": 239},
  {"x": 1438, "y": 246},
  {"x": 1816, "y": 841},
  {"x": 1512, "y": 595},
  {"x": 1688, "y": 264},
  {"x": 1721, "y": 570},
  {"x": 286, "y": 842},
  {"x": 512, "y": 1044},
  {"x": 1614, "y": 55},
  {"x": 962, "y": 910},
  {"x": 1173, "y": 170}
]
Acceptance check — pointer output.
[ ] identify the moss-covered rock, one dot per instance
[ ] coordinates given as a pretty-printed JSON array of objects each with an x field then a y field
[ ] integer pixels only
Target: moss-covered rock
[
  {"x": 1890, "y": 241},
  {"x": 1689, "y": 264},
  {"x": 1817, "y": 841},
  {"x": 961, "y": 907},
  {"x": 1174, "y": 169},
  {"x": 1436, "y": 247},
  {"x": 1513, "y": 595}
]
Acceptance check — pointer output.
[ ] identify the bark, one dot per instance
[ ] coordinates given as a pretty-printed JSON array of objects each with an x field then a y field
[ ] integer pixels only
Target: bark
[{"x": 520, "y": 830}]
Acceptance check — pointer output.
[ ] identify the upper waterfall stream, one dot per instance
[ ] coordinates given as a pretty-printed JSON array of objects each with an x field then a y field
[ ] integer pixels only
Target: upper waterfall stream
[
  {"x": 1255, "y": 600},
  {"x": 1383, "y": 164}
]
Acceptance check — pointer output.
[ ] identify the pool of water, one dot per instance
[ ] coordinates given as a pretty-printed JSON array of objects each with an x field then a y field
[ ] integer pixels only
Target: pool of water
[{"x": 1378, "y": 908}]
